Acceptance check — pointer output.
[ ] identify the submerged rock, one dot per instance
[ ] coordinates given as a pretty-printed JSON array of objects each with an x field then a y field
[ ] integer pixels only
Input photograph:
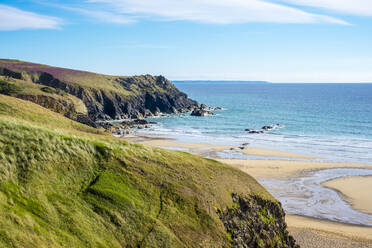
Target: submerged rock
[
  {"x": 253, "y": 131},
  {"x": 201, "y": 112},
  {"x": 263, "y": 129}
]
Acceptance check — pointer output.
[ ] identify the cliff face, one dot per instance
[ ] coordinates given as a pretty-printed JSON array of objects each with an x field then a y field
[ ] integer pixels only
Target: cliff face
[{"x": 105, "y": 97}]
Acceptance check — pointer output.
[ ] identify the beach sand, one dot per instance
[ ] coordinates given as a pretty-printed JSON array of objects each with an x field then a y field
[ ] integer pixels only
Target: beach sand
[
  {"x": 355, "y": 190},
  {"x": 201, "y": 148},
  {"x": 272, "y": 153},
  {"x": 283, "y": 168},
  {"x": 315, "y": 233},
  {"x": 309, "y": 232}
]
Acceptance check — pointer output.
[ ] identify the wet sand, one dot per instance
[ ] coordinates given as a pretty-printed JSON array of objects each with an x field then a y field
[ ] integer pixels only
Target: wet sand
[
  {"x": 272, "y": 153},
  {"x": 284, "y": 168},
  {"x": 355, "y": 190},
  {"x": 199, "y": 148}
]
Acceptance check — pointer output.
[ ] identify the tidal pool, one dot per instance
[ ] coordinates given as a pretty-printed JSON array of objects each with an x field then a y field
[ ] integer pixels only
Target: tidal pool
[{"x": 304, "y": 195}]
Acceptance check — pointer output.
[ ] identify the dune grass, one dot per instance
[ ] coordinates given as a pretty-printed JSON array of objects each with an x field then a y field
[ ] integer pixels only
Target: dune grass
[{"x": 63, "y": 184}]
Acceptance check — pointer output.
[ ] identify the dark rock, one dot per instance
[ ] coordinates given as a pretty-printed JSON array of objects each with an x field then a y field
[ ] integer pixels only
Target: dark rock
[
  {"x": 140, "y": 121},
  {"x": 86, "y": 120},
  {"x": 253, "y": 131},
  {"x": 201, "y": 112},
  {"x": 267, "y": 128},
  {"x": 256, "y": 222}
]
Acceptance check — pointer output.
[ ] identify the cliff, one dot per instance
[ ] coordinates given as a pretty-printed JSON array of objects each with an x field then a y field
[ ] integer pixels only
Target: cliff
[
  {"x": 104, "y": 97},
  {"x": 65, "y": 184}
]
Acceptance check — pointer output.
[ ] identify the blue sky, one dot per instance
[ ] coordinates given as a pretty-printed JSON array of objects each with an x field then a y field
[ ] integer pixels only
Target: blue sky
[{"x": 273, "y": 40}]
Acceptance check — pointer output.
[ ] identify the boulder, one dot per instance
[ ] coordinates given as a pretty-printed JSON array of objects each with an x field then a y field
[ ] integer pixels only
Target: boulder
[
  {"x": 267, "y": 128},
  {"x": 201, "y": 112}
]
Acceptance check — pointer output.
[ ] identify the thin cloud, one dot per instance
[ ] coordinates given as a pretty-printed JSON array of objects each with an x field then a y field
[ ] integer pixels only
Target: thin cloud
[
  {"x": 15, "y": 19},
  {"x": 218, "y": 11},
  {"x": 103, "y": 16},
  {"x": 354, "y": 7}
]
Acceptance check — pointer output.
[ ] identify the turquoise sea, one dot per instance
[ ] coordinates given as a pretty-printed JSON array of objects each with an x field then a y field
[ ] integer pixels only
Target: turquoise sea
[{"x": 332, "y": 121}]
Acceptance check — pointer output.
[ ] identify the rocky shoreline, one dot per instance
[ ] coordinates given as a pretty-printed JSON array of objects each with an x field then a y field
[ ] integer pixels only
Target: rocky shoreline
[{"x": 129, "y": 125}]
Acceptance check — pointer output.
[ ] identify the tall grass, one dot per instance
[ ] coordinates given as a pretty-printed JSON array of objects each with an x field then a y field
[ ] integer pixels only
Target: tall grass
[{"x": 64, "y": 185}]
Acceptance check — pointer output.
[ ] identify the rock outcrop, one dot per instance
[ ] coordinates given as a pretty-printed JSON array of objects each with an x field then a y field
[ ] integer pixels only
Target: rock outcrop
[
  {"x": 57, "y": 105},
  {"x": 255, "y": 222},
  {"x": 201, "y": 112},
  {"x": 204, "y": 110}
]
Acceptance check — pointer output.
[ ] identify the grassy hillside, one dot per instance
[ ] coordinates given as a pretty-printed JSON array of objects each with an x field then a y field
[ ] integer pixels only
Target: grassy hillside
[{"x": 64, "y": 184}]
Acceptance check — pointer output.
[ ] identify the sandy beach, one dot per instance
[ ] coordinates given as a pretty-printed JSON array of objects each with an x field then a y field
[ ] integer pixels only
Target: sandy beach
[
  {"x": 315, "y": 233},
  {"x": 201, "y": 148},
  {"x": 356, "y": 190},
  {"x": 309, "y": 232},
  {"x": 284, "y": 168}
]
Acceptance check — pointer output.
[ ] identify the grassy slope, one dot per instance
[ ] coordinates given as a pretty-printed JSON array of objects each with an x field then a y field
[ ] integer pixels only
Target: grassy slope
[
  {"x": 63, "y": 184},
  {"x": 29, "y": 88},
  {"x": 86, "y": 79}
]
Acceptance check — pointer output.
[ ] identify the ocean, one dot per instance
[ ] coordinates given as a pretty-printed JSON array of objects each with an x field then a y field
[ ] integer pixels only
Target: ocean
[{"x": 331, "y": 121}]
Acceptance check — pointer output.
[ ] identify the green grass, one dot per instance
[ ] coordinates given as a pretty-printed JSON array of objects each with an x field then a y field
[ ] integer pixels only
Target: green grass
[
  {"x": 63, "y": 184},
  {"x": 21, "y": 88},
  {"x": 89, "y": 80}
]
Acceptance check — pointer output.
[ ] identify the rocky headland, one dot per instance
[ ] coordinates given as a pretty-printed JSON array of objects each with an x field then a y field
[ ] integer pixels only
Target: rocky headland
[{"x": 97, "y": 97}]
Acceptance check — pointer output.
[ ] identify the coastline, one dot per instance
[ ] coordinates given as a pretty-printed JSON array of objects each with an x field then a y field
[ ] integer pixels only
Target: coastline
[{"x": 310, "y": 232}]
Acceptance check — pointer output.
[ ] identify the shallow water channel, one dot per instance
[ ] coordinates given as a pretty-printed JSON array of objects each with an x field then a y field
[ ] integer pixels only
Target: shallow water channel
[{"x": 304, "y": 195}]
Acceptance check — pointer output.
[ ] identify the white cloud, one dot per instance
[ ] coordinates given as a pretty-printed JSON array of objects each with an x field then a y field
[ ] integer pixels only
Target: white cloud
[
  {"x": 355, "y": 7},
  {"x": 101, "y": 15},
  {"x": 14, "y": 19},
  {"x": 218, "y": 11}
]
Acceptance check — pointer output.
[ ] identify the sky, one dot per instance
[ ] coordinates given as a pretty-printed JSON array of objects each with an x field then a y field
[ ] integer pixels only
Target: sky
[{"x": 268, "y": 40}]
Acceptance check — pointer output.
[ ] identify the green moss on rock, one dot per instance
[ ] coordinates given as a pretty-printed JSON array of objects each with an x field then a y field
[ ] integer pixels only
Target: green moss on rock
[{"x": 256, "y": 222}]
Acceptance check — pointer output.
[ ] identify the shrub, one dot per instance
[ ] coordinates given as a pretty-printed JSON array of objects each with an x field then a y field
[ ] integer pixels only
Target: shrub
[
  {"x": 49, "y": 90},
  {"x": 9, "y": 89}
]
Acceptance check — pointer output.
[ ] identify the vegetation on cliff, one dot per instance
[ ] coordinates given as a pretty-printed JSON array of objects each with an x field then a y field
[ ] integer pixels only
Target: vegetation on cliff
[
  {"x": 75, "y": 93},
  {"x": 64, "y": 184}
]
